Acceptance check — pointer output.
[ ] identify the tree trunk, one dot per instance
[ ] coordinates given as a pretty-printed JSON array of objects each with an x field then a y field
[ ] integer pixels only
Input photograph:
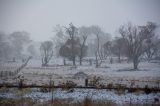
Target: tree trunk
[
  {"x": 90, "y": 62},
  {"x": 64, "y": 61},
  {"x": 80, "y": 57},
  {"x": 119, "y": 58},
  {"x": 80, "y": 60},
  {"x": 74, "y": 61},
  {"x": 135, "y": 66},
  {"x": 97, "y": 61},
  {"x": 135, "y": 63}
]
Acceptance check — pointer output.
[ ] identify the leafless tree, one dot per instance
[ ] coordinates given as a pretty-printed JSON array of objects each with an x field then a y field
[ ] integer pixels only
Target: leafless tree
[
  {"x": 135, "y": 37},
  {"x": 72, "y": 32},
  {"x": 59, "y": 38},
  {"x": 64, "y": 52},
  {"x": 46, "y": 50},
  {"x": 100, "y": 52},
  {"x": 84, "y": 32},
  {"x": 118, "y": 47},
  {"x": 107, "y": 48},
  {"x": 5, "y": 47},
  {"x": 157, "y": 55},
  {"x": 12, "y": 45},
  {"x": 18, "y": 40},
  {"x": 152, "y": 43}
]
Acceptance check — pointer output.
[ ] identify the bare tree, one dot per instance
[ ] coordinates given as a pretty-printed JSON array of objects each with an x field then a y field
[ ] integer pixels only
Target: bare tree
[
  {"x": 64, "y": 52},
  {"x": 12, "y": 45},
  {"x": 135, "y": 38},
  {"x": 107, "y": 49},
  {"x": 59, "y": 38},
  {"x": 5, "y": 47},
  {"x": 46, "y": 50},
  {"x": 18, "y": 40},
  {"x": 84, "y": 32},
  {"x": 157, "y": 55},
  {"x": 151, "y": 44},
  {"x": 118, "y": 48},
  {"x": 99, "y": 53},
  {"x": 72, "y": 32}
]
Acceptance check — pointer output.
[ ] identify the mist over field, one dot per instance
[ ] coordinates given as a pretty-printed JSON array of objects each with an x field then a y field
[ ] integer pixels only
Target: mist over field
[{"x": 80, "y": 52}]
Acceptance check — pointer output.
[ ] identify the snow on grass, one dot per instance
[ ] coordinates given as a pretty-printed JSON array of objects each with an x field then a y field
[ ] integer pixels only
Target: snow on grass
[
  {"x": 109, "y": 73},
  {"x": 10, "y": 66},
  {"x": 80, "y": 94}
]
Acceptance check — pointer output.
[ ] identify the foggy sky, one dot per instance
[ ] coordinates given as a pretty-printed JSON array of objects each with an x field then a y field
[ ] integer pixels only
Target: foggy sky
[{"x": 39, "y": 17}]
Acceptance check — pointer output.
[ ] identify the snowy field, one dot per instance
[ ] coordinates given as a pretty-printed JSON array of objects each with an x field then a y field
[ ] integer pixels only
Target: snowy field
[
  {"x": 10, "y": 66},
  {"x": 33, "y": 73},
  {"x": 80, "y": 94},
  {"x": 116, "y": 73}
]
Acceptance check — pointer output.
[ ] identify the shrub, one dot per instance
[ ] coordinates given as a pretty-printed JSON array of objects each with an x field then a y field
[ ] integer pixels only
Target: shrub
[
  {"x": 95, "y": 81},
  {"x": 67, "y": 85}
]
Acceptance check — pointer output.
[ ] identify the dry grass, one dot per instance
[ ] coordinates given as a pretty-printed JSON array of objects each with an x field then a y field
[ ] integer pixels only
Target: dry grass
[
  {"x": 67, "y": 85},
  {"x": 17, "y": 102},
  {"x": 64, "y": 102}
]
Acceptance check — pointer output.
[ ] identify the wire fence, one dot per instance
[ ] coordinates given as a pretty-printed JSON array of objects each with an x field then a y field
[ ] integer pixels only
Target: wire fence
[{"x": 15, "y": 72}]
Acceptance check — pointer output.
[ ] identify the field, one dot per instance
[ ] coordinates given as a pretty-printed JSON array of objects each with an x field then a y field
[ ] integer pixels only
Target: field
[{"x": 114, "y": 74}]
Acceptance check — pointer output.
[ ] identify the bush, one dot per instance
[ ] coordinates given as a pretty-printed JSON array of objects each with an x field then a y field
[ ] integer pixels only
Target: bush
[
  {"x": 95, "y": 81},
  {"x": 67, "y": 85}
]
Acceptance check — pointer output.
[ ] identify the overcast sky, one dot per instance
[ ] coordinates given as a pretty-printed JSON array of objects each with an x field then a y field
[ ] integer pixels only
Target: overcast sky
[{"x": 39, "y": 17}]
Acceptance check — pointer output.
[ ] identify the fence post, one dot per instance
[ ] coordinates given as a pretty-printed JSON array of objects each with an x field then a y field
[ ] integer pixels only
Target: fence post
[
  {"x": 20, "y": 83},
  {"x": 86, "y": 82},
  {"x": 52, "y": 87},
  {"x": 0, "y": 75}
]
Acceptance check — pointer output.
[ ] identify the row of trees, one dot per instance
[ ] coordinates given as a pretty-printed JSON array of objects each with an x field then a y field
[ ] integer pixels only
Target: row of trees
[
  {"x": 67, "y": 43},
  {"x": 77, "y": 42},
  {"x": 133, "y": 42}
]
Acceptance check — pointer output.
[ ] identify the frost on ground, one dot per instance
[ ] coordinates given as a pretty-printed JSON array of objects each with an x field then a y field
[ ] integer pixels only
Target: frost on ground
[
  {"x": 116, "y": 73},
  {"x": 148, "y": 73},
  {"x": 80, "y": 94},
  {"x": 9, "y": 66}
]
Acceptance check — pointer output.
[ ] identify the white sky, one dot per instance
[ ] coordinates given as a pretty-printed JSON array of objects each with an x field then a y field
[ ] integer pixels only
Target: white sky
[{"x": 39, "y": 17}]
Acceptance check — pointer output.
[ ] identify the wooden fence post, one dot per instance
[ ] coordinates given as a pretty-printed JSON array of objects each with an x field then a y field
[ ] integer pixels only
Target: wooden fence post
[
  {"x": 21, "y": 83},
  {"x": 86, "y": 82},
  {"x": 52, "y": 87}
]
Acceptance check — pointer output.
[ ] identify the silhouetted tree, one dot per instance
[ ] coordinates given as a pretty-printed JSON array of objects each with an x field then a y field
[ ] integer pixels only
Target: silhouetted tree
[
  {"x": 5, "y": 47},
  {"x": 72, "y": 41},
  {"x": 65, "y": 52},
  {"x": 84, "y": 32},
  {"x": 107, "y": 48},
  {"x": 59, "y": 38},
  {"x": 46, "y": 50},
  {"x": 18, "y": 40},
  {"x": 100, "y": 37},
  {"x": 118, "y": 48},
  {"x": 152, "y": 43},
  {"x": 135, "y": 38}
]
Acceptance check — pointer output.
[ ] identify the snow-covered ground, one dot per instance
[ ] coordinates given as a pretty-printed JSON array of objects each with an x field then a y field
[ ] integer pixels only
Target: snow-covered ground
[
  {"x": 80, "y": 94},
  {"x": 10, "y": 66},
  {"x": 147, "y": 74}
]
